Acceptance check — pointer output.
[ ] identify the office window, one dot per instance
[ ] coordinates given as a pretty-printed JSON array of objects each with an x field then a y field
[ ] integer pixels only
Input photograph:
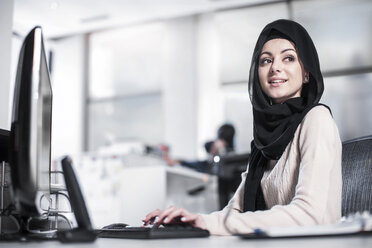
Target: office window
[
  {"x": 350, "y": 100},
  {"x": 137, "y": 118},
  {"x": 125, "y": 89},
  {"x": 237, "y": 33},
  {"x": 340, "y": 30},
  {"x": 126, "y": 61}
]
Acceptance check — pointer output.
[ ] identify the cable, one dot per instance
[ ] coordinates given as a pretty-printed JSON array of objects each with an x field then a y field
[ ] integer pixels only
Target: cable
[{"x": 232, "y": 232}]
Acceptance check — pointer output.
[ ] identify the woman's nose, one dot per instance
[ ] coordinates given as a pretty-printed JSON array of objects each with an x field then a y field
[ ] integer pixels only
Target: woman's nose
[{"x": 276, "y": 67}]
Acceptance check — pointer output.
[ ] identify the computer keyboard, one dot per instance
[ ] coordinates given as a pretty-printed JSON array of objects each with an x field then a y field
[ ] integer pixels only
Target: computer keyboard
[{"x": 155, "y": 232}]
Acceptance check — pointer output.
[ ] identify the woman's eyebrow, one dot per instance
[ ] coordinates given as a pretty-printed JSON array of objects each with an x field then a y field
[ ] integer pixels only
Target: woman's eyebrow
[
  {"x": 270, "y": 54},
  {"x": 288, "y": 49}
]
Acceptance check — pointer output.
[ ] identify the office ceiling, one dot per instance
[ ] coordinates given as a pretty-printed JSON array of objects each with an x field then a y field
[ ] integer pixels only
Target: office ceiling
[{"x": 61, "y": 18}]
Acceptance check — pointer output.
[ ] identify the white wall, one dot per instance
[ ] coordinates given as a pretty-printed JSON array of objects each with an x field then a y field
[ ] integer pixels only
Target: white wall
[
  {"x": 210, "y": 96},
  {"x": 67, "y": 85},
  {"x": 6, "y": 21},
  {"x": 193, "y": 97},
  {"x": 179, "y": 89}
]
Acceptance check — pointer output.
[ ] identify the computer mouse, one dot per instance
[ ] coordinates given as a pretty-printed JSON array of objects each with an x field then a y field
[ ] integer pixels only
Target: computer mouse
[{"x": 115, "y": 226}]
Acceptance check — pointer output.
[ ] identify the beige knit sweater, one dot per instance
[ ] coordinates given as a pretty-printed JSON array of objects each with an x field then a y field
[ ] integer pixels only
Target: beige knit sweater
[{"x": 302, "y": 188}]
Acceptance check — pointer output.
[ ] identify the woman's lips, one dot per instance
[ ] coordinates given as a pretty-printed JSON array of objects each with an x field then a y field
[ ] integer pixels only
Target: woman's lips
[{"x": 277, "y": 82}]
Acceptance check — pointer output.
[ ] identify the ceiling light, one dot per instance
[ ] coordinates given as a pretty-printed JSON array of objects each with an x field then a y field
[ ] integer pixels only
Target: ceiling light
[{"x": 54, "y": 5}]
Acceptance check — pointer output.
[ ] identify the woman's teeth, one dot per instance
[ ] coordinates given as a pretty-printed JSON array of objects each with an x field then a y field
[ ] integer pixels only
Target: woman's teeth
[{"x": 277, "y": 81}]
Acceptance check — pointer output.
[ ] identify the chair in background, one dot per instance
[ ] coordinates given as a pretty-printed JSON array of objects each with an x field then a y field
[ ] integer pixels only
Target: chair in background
[
  {"x": 357, "y": 175},
  {"x": 229, "y": 169}
]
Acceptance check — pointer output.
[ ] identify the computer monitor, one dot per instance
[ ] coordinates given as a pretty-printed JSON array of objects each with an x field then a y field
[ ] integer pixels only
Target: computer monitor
[{"x": 30, "y": 139}]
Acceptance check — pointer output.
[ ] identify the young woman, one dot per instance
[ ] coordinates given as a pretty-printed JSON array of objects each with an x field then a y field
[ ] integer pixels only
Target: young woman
[{"x": 294, "y": 173}]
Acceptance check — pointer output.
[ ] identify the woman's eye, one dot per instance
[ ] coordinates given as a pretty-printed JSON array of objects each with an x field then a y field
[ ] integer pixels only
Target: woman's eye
[
  {"x": 265, "y": 61},
  {"x": 289, "y": 58}
]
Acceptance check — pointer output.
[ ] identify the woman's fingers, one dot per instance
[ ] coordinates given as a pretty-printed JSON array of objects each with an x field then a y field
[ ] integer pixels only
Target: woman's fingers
[
  {"x": 189, "y": 217},
  {"x": 150, "y": 217},
  {"x": 165, "y": 214},
  {"x": 173, "y": 215},
  {"x": 176, "y": 214},
  {"x": 157, "y": 216}
]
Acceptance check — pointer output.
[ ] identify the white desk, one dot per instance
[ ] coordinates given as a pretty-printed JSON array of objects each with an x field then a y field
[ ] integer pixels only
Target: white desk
[{"x": 211, "y": 242}]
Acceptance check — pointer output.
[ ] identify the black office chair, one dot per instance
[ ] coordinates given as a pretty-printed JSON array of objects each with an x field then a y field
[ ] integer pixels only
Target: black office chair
[
  {"x": 229, "y": 170},
  {"x": 357, "y": 175}
]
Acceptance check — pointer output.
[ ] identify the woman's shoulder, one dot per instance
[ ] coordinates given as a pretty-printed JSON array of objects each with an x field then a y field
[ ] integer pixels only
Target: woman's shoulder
[
  {"x": 319, "y": 113},
  {"x": 318, "y": 121},
  {"x": 318, "y": 127}
]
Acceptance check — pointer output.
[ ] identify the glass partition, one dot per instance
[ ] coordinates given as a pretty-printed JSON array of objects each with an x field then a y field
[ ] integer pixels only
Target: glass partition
[
  {"x": 350, "y": 100},
  {"x": 125, "y": 88},
  {"x": 126, "y": 61},
  {"x": 126, "y": 119},
  {"x": 238, "y": 31},
  {"x": 341, "y": 30}
]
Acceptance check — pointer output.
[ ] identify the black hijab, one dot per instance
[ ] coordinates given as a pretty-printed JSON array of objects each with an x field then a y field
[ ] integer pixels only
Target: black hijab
[{"x": 275, "y": 124}]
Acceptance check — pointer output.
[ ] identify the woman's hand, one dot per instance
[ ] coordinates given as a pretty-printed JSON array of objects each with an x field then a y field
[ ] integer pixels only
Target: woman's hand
[{"x": 173, "y": 215}]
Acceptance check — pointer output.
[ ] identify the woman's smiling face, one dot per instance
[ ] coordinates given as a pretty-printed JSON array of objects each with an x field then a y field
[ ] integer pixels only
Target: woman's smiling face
[{"x": 280, "y": 70}]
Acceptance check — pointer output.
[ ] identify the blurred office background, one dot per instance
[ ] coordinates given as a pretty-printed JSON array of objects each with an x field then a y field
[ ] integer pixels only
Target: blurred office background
[{"x": 172, "y": 71}]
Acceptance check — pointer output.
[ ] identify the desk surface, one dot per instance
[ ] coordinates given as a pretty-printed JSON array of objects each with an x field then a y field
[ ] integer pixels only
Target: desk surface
[{"x": 212, "y": 242}]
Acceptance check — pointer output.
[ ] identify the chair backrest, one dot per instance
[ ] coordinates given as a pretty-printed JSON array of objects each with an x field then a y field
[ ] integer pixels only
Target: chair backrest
[
  {"x": 232, "y": 165},
  {"x": 357, "y": 175}
]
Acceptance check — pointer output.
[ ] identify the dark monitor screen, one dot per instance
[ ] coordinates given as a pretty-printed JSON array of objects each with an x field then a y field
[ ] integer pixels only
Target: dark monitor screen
[{"x": 30, "y": 141}]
